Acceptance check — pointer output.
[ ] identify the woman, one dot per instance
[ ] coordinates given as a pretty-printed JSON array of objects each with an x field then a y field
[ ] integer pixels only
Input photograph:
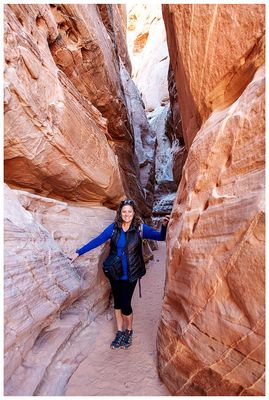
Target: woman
[{"x": 126, "y": 234}]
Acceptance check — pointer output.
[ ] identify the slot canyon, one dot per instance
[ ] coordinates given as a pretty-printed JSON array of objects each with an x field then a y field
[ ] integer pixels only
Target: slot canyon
[{"x": 163, "y": 104}]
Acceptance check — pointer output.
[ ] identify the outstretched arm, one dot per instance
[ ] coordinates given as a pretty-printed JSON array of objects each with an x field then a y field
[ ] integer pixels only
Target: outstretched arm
[
  {"x": 93, "y": 243},
  {"x": 150, "y": 233}
]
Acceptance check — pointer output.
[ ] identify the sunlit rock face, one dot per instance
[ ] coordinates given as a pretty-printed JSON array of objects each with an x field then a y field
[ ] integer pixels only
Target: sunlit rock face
[
  {"x": 85, "y": 52},
  {"x": 212, "y": 67},
  {"x": 211, "y": 335},
  {"x": 47, "y": 301},
  {"x": 148, "y": 52},
  {"x": 96, "y": 71},
  {"x": 68, "y": 132},
  {"x": 54, "y": 138}
]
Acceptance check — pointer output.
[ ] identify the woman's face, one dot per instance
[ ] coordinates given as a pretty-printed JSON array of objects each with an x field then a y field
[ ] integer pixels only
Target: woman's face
[{"x": 127, "y": 213}]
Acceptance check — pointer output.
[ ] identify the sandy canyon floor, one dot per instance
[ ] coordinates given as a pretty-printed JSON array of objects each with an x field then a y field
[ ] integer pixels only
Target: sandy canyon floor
[{"x": 131, "y": 372}]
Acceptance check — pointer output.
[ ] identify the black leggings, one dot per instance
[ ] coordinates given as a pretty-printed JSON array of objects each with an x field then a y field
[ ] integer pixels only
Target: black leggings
[{"x": 122, "y": 292}]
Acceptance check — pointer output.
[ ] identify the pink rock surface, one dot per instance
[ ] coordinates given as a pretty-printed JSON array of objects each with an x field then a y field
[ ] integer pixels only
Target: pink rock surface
[
  {"x": 54, "y": 137},
  {"x": 211, "y": 336},
  {"x": 52, "y": 323},
  {"x": 85, "y": 53},
  {"x": 92, "y": 64},
  {"x": 47, "y": 301},
  {"x": 215, "y": 50},
  {"x": 68, "y": 133}
]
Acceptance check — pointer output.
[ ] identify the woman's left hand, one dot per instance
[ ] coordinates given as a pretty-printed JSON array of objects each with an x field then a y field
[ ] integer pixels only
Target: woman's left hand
[
  {"x": 72, "y": 257},
  {"x": 166, "y": 219}
]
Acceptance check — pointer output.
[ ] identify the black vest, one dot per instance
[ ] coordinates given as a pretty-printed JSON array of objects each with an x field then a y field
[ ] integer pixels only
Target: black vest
[{"x": 133, "y": 251}]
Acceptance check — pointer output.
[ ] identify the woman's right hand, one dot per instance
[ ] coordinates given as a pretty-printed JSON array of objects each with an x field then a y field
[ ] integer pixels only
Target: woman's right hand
[
  {"x": 166, "y": 220},
  {"x": 73, "y": 256}
]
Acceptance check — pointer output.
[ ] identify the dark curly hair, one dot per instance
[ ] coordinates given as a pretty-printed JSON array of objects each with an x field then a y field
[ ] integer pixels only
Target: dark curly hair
[{"x": 136, "y": 222}]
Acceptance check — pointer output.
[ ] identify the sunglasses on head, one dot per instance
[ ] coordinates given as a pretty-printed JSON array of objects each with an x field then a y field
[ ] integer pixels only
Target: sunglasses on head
[{"x": 127, "y": 202}]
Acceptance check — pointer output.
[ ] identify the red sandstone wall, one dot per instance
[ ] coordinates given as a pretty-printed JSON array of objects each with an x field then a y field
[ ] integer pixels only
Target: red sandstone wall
[{"x": 211, "y": 335}]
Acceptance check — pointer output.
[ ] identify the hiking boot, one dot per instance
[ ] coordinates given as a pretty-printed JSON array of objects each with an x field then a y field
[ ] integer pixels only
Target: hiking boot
[
  {"x": 116, "y": 344},
  {"x": 127, "y": 339}
]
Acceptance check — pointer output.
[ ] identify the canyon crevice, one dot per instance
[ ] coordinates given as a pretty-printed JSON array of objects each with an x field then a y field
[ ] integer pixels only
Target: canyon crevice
[{"x": 165, "y": 105}]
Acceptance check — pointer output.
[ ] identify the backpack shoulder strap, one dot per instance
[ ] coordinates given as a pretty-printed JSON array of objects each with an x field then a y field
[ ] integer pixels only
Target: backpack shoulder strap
[
  {"x": 140, "y": 230},
  {"x": 114, "y": 232}
]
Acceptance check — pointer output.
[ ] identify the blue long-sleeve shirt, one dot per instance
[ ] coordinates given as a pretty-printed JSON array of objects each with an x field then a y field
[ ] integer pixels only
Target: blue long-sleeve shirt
[{"x": 147, "y": 233}]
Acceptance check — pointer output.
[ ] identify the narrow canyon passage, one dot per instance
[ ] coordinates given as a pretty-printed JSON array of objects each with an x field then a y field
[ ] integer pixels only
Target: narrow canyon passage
[
  {"x": 161, "y": 105},
  {"x": 131, "y": 372}
]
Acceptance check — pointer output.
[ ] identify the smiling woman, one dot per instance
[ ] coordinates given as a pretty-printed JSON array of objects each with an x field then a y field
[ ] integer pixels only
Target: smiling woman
[
  {"x": 127, "y": 214},
  {"x": 125, "y": 234}
]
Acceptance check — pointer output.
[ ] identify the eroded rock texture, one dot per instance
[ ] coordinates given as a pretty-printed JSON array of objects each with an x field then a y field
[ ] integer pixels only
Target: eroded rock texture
[
  {"x": 114, "y": 18},
  {"x": 68, "y": 136},
  {"x": 47, "y": 302},
  {"x": 214, "y": 51},
  {"x": 54, "y": 138},
  {"x": 211, "y": 336},
  {"x": 63, "y": 86}
]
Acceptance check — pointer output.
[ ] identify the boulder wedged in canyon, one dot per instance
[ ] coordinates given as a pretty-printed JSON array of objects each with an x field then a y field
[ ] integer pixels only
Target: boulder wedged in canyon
[
  {"x": 215, "y": 50},
  {"x": 47, "y": 300},
  {"x": 211, "y": 335}
]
